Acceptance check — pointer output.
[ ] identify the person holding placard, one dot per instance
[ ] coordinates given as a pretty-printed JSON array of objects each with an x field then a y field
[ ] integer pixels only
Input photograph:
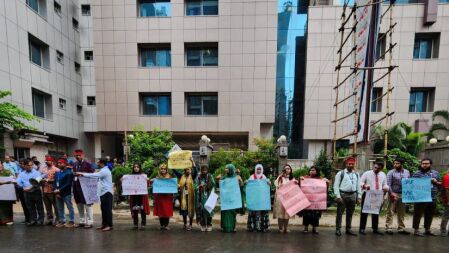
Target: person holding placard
[
  {"x": 6, "y": 211},
  {"x": 187, "y": 196},
  {"x": 104, "y": 191},
  {"x": 258, "y": 220},
  {"x": 85, "y": 211},
  {"x": 163, "y": 202},
  {"x": 348, "y": 191},
  {"x": 445, "y": 200},
  {"x": 426, "y": 208},
  {"x": 228, "y": 217},
  {"x": 374, "y": 179},
  {"x": 395, "y": 204},
  {"x": 279, "y": 211},
  {"x": 63, "y": 190},
  {"x": 204, "y": 186},
  {"x": 139, "y": 204},
  {"x": 312, "y": 217}
]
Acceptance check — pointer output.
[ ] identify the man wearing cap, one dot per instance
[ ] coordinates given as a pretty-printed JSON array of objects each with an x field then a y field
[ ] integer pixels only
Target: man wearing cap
[
  {"x": 85, "y": 211},
  {"x": 348, "y": 192},
  {"x": 29, "y": 180},
  {"x": 63, "y": 190},
  {"x": 48, "y": 174}
]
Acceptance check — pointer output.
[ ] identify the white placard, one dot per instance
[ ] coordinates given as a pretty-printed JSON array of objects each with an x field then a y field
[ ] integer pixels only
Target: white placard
[
  {"x": 373, "y": 201},
  {"x": 134, "y": 185},
  {"x": 7, "y": 191},
  {"x": 89, "y": 187},
  {"x": 211, "y": 202}
]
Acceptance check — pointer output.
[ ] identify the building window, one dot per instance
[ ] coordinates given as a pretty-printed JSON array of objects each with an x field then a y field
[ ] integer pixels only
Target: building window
[
  {"x": 426, "y": 45},
  {"x": 154, "y": 8},
  {"x": 88, "y": 55},
  {"x": 75, "y": 24},
  {"x": 421, "y": 99},
  {"x": 381, "y": 46},
  {"x": 62, "y": 104},
  {"x": 201, "y": 54},
  {"x": 201, "y": 7},
  {"x": 91, "y": 101},
  {"x": 41, "y": 104},
  {"x": 77, "y": 67},
  {"x": 33, "y": 4},
  {"x": 156, "y": 104},
  {"x": 57, "y": 7},
  {"x": 155, "y": 55},
  {"x": 79, "y": 109},
  {"x": 39, "y": 53},
  {"x": 85, "y": 9},
  {"x": 39, "y": 6},
  {"x": 60, "y": 57},
  {"x": 376, "y": 100},
  {"x": 202, "y": 104}
]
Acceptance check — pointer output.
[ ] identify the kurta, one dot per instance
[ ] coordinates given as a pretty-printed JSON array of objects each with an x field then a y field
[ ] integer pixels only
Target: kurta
[
  {"x": 163, "y": 205},
  {"x": 6, "y": 211},
  {"x": 84, "y": 166},
  {"x": 203, "y": 188},
  {"x": 279, "y": 211}
]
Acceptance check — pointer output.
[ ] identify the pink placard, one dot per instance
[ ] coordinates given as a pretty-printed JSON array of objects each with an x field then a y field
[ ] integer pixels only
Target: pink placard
[
  {"x": 316, "y": 192},
  {"x": 292, "y": 198}
]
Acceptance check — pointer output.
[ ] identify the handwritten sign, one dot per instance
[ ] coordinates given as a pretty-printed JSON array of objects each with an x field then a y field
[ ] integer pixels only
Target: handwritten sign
[
  {"x": 89, "y": 186},
  {"x": 180, "y": 160},
  {"x": 416, "y": 190},
  {"x": 230, "y": 195},
  {"x": 373, "y": 201},
  {"x": 134, "y": 185},
  {"x": 258, "y": 195},
  {"x": 316, "y": 192},
  {"x": 292, "y": 198},
  {"x": 7, "y": 191},
  {"x": 165, "y": 185},
  {"x": 211, "y": 202}
]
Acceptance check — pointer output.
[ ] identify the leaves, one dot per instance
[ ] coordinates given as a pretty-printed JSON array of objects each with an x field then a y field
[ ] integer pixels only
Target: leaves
[
  {"x": 400, "y": 136},
  {"x": 11, "y": 116}
]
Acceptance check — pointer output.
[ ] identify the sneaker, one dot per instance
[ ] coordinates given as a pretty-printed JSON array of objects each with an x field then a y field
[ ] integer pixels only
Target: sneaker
[
  {"x": 429, "y": 233},
  {"x": 390, "y": 232},
  {"x": 203, "y": 229},
  {"x": 419, "y": 234},
  {"x": 338, "y": 232},
  {"x": 209, "y": 229},
  {"x": 80, "y": 225},
  {"x": 189, "y": 227},
  {"x": 88, "y": 226}
]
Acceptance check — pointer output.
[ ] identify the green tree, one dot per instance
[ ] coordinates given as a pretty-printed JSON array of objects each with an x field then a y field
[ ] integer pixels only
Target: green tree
[
  {"x": 324, "y": 163},
  {"x": 411, "y": 163},
  {"x": 11, "y": 116}
]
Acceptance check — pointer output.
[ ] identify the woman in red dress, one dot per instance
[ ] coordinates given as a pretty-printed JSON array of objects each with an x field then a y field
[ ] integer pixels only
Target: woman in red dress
[{"x": 163, "y": 203}]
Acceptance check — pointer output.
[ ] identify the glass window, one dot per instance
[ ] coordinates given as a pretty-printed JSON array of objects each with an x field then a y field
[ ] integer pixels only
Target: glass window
[
  {"x": 91, "y": 100},
  {"x": 38, "y": 104},
  {"x": 422, "y": 48},
  {"x": 77, "y": 67},
  {"x": 35, "y": 53},
  {"x": 201, "y": 7},
  {"x": 381, "y": 46},
  {"x": 75, "y": 24},
  {"x": 376, "y": 100},
  {"x": 88, "y": 55},
  {"x": 60, "y": 57},
  {"x": 156, "y": 105},
  {"x": 202, "y": 56},
  {"x": 155, "y": 57},
  {"x": 85, "y": 9},
  {"x": 154, "y": 8},
  {"x": 419, "y": 101},
  {"x": 202, "y": 104},
  {"x": 57, "y": 7},
  {"x": 33, "y": 4},
  {"x": 62, "y": 104}
]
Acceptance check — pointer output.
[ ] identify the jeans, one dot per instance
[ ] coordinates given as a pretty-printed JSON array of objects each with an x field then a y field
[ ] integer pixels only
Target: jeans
[
  {"x": 143, "y": 216},
  {"x": 106, "y": 209},
  {"x": 86, "y": 213},
  {"x": 396, "y": 207},
  {"x": 60, "y": 202},
  {"x": 50, "y": 205},
  {"x": 35, "y": 206},
  {"x": 348, "y": 202},
  {"x": 445, "y": 219}
]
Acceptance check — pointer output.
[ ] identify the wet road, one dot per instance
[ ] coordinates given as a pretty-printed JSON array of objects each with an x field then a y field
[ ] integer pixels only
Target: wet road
[{"x": 19, "y": 238}]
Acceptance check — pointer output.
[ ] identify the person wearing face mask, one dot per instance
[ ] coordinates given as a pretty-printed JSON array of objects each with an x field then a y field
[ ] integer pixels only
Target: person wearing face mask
[
  {"x": 347, "y": 190},
  {"x": 258, "y": 220},
  {"x": 279, "y": 211},
  {"x": 427, "y": 208},
  {"x": 204, "y": 186},
  {"x": 374, "y": 179},
  {"x": 49, "y": 197}
]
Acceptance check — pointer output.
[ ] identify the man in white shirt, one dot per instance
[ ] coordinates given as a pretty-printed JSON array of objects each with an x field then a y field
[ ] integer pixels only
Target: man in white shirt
[
  {"x": 374, "y": 179},
  {"x": 348, "y": 192}
]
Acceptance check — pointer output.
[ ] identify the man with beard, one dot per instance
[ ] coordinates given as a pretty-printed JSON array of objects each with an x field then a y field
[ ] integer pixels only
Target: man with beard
[
  {"x": 85, "y": 211},
  {"x": 48, "y": 173}
]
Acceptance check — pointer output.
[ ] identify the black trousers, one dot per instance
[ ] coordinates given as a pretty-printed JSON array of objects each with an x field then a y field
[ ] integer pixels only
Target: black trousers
[
  {"x": 364, "y": 218},
  {"x": 143, "y": 216},
  {"x": 348, "y": 203},
  {"x": 426, "y": 209},
  {"x": 164, "y": 221},
  {"x": 106, "y": 209},
  {"x": 35, "y": 206},
  {"x": 22, "y": 200}
]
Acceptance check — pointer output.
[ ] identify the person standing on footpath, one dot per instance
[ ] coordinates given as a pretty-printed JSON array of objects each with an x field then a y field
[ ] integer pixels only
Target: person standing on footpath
[
  {"x": 347, "y": 190},
  {"x": 395, "y": 205},
  {"x": 63, "y": 191},
  {"x": 48, "y": 173},
  {"x": 85, "y": 211},
  {"x": 427, "y": 208},
  {"x": 374, "y": 179},
  {"x": 105, "y": 192},
  {"x": 445, "y": 198}
]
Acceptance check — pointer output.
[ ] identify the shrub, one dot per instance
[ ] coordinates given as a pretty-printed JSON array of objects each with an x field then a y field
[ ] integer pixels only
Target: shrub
[{"x": 411, "y": 163}]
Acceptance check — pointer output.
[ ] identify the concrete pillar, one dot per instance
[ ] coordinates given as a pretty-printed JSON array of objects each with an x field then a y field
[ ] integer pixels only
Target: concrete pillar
[
  {"x": 282, "y": 152},
  {"x": 97, "y": 145}
]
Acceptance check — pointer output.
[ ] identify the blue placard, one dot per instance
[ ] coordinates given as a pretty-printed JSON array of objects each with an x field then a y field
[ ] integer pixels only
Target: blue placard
[
  {"x": 416, "y": 190},
  {"x": 258, "y": 195},
  {"x": 230, "y": 196},
  {"x": 165, "y": 185}
]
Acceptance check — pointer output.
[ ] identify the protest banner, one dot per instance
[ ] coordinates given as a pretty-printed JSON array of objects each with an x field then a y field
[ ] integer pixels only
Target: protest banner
[
  {"x": 211, "y": 202},
  {"x": 230, "y": 196},
  {"x": 292, "y": 198},
  {"x": 90, "y": 190},
  {"x": 373, "y": 201},
  {"x": 134, "y": 185},
  {"x": 316, "y": 192},
  {"x": 258, "y": 195},
  {"x": 7, "y": 191},
  {"x": 180, "y": 159},
  {"x": 165, "y": 185},
  {"x": 416, "y": 190}
]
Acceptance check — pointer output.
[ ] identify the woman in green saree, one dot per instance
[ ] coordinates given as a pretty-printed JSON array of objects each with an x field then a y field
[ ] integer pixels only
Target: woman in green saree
[{"x": 228, "y": 217}]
